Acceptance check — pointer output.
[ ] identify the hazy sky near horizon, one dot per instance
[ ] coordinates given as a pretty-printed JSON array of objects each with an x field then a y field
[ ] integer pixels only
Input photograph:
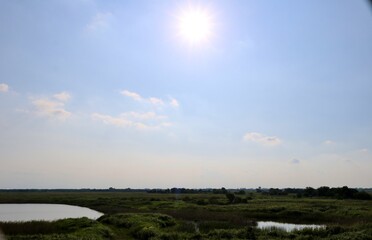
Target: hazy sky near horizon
[{"x": 109, "y": 94}]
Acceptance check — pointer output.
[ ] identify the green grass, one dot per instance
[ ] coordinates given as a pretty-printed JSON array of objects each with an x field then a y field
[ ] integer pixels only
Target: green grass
[
  {"x": 191, "y": 216},
  {"x": 80, "y": 228}
]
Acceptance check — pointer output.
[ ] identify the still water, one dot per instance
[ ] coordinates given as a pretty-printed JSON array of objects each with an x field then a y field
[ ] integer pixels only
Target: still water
[
  {"x": 287, "y": 226},
  {"x": 46, "y": 212}
]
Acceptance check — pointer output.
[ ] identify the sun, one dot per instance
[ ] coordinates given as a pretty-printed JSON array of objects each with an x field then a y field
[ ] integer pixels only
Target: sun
[{"x": 195, "y": 25}]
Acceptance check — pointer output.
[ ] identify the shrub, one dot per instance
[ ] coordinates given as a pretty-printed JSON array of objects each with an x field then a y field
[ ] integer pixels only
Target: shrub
[
  {"x": 206, "y": 226},
  {"x": 335, "y": 230},
  {"x": 247, "y": 233},
  {"x": 196, "y": 236},
  {"x": 362, "y": 196},
  {"x": 230, "y": 197},
  {"x": 221, "y": 234},
  {"x": 145, "y": 233},
  {"x": 170, "y": 236},
  {"x": 186, "y": 226},
  {"x": 202, "y": 202}
]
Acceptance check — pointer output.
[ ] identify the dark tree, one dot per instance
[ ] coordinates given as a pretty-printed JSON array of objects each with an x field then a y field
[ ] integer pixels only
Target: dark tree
[
  {"x": 230, "y": 197},
  {"x": 310, "y": 192},
  {"x": 241, "y": 192},
  {"x": 324, "y": 191}
]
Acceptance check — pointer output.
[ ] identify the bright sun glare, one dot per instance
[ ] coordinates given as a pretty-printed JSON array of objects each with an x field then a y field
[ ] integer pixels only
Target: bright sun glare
[{"x": 195, "y": 25}]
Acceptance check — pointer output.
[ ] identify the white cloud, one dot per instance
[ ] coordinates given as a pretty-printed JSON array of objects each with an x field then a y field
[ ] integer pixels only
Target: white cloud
[
  {"x": 152, "y": 100},
  {"x": 133, "y": 95},
  {"x": 4, "y": 87},
  {"x": 48, "y": 108},
  {"x": 52, "y": 107},
  {"x": 174, "y": 103},
  {"x": 99, "y": 21},
  {"x": 119, "y": 122},
  {"x": 140, "y": 120},
  {"x": 156, "y": 101},
  {"x": 262, "y": 139},
  {"x": 136, "y": 120},
  {"x": 143, "y": 116},
  {"x": 62, "y": 96}
]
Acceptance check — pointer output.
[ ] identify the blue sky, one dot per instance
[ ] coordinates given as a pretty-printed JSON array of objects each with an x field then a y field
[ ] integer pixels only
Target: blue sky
[{"x": 107, "y": 94}]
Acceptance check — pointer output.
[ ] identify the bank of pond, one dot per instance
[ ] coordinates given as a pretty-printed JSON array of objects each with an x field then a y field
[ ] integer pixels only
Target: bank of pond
[{"x": 59, "y": 221}]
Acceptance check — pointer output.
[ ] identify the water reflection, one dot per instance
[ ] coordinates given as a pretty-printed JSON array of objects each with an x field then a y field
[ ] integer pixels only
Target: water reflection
[
  {"x": 287, "y": 226},
  {"x": 46, "y": 212}
]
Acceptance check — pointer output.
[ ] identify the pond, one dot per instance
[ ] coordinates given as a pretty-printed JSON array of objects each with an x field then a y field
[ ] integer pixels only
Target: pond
[
  {"x": 287, "y": 226},
  {"x": 46, "y": 212}
]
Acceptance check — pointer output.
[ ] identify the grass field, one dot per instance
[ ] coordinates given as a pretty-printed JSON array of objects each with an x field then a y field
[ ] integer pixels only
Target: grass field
[{"x": 132, "y": 215}]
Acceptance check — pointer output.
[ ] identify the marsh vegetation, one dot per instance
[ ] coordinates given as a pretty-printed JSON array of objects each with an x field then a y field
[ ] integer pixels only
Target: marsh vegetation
[{"x": 198, "y": 215}]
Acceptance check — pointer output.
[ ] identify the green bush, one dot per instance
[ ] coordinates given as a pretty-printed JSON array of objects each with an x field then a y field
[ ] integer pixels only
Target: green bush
[
  {"x": 206, "y": 226},
  {"x": 145, "y": 233},
  {"x": 221, "y": 234},
  {"x": 185, "y": 227},
  {"x": 170, "y": 236}
]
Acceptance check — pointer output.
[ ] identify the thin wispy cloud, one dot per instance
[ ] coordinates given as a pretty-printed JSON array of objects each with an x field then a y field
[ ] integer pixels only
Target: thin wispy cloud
[
  {"x": 51, "y": 109},
  {"x": 262, "y": 139},
  {"x": 4, "y": 87},
  {"x": 135, "y": 120},
  {"x": 156, "y": 101},
  {"x": 100, "y": 21},
  {"x": 144, "y": 116},
  {"x": 152, "y": 100},
  {"x": 62, "y": 96},
  {"x": 174, "y": 103},
  {"x": 147, "y": 120},
  {"x": 116, "y": 121},
  {"x": 133, "y": 95}
]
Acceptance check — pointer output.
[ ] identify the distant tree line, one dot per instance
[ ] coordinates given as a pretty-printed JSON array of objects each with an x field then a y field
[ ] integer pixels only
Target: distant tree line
[
  {"x": 324, "y": 191},
  {"x": 191, "y": 190},
  {"x": 178, "y": 190}
]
